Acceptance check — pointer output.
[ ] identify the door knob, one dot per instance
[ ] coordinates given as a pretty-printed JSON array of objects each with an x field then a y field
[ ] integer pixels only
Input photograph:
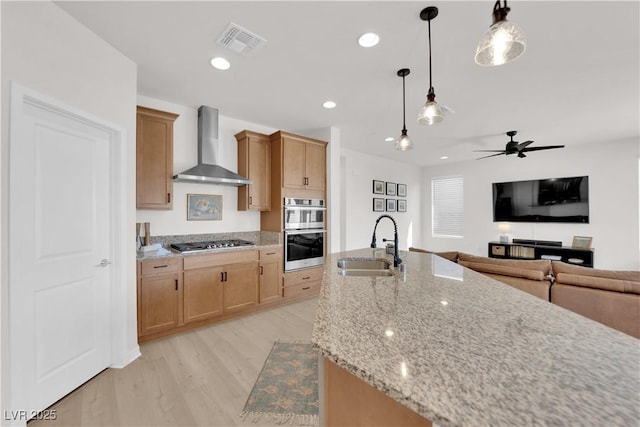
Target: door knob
[{"x": 104, "y": 262}]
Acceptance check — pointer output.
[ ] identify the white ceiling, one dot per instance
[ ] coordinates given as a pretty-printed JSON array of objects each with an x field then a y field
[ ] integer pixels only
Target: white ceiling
[{"x": 577, "y": 82}]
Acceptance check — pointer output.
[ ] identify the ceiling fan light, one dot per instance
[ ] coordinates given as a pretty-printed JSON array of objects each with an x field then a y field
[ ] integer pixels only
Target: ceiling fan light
[
  {"x": 403, "y": 143},
  {"x": 431, "y": 113},
  {"x": 503, "y": 43}
]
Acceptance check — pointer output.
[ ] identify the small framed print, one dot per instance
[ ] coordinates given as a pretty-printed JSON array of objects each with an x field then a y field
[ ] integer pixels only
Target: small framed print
[
  {"x": 402, "y": 190},
  {"x": 378, "y": 205},
  {"x": 391, "y": 205},
  {"x": 378, "y": 187},
  {"x": 204, "y": 207},
  {"x": 402, "y": 205},
  {"x": 391, "y": 189},
  {"x": 581, "y": 242}
]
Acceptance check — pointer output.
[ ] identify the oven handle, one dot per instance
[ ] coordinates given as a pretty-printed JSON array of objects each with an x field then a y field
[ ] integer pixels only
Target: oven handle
[
  {"x": 305, "y": 231},
  {"x": 304, "y": 208}
]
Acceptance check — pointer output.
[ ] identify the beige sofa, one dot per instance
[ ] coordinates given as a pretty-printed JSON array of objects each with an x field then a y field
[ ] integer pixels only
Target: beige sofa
[
  {"x": 531, "y": 276},
  {"x": 606, "y": 296}
]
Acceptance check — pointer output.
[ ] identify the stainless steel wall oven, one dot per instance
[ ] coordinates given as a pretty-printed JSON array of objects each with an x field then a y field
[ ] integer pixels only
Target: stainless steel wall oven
[{"x": 304, "y": 233}]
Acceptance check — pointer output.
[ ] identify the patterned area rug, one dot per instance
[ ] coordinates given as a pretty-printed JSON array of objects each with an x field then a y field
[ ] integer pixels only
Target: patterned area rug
[{"x": 286, "y": 391}]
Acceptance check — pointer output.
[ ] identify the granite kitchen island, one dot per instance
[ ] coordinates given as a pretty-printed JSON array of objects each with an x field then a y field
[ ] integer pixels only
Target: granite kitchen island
[{"x": 457, "y": 348}]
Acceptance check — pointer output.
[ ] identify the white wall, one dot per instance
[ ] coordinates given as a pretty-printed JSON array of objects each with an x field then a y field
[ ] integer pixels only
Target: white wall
[
  {"x": 358, "y": 171},
  {"x": 185, "y": 156},
  {"x": 612, "y": 167},
  {"x": 46, "y": 50}
]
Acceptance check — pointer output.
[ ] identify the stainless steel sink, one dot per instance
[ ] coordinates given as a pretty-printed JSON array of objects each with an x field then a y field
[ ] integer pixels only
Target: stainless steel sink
[{"x": 364, "y": 267}]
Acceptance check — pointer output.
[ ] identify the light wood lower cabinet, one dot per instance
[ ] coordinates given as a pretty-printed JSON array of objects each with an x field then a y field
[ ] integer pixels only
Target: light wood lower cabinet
[
  {"x": 303, "y": 283},
  {"x": 202, "y": 294},
  {"x": 240, "y": 286},
  {"x": 159, "y": 295},
  {"x": 182, "y": 293},
  {"x": 270, "y": 281}
]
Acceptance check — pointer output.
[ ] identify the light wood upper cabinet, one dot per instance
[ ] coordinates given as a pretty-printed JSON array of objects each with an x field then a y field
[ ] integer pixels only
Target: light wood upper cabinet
[
  {"x": 154, "y": 159},
  {"x": 254, "y": 162},
  {"x": 303, "y": 163}
]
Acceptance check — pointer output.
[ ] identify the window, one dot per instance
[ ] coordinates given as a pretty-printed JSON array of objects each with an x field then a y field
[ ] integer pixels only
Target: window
[{"x": 447, "y": 210}]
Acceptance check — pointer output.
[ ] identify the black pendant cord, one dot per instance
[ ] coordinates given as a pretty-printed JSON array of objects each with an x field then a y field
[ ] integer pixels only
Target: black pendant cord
[
  {"x": 430, "y": 72},
  {"x": 404, "y": 124},
  {"x": 403, "y": 72}
]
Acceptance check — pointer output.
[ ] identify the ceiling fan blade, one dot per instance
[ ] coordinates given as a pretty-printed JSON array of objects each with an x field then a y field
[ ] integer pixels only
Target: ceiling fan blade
[
  {"x": 489, "y": 151},
  {"x": 546, "y": 147},
  {"x": 524, "y": 144},
  {"x": 492, "y": 155}
]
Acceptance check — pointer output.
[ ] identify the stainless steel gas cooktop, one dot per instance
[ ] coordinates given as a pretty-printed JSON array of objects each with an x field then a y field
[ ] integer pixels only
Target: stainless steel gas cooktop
[{"x": 213, "y": 244}]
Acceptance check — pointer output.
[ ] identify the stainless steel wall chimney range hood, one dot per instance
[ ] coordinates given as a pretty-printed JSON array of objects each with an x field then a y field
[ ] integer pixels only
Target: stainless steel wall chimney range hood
[{"x": 207, "y": 171}]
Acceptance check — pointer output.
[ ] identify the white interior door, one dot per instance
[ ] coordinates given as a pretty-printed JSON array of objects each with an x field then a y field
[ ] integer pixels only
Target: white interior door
[{"x": 59, "y": 251}]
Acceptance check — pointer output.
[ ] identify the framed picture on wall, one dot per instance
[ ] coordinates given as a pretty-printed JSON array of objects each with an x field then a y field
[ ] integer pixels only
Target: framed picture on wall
[
  {"x": 378, "y": 187},
  {"x": 402, "y": 190},
  {"x": 391, "y": 205},
  {"x": 204, "y": 207},
  {"x": 378, "y": 205},
  {"x": 402, "y": 205},
  {"x": 391, "y": 188}
]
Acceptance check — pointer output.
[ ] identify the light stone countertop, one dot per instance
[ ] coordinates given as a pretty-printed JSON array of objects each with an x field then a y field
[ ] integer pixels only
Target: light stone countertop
[
  {"x": 460, "y": 348},
  {"x": 261, "y": 239}
]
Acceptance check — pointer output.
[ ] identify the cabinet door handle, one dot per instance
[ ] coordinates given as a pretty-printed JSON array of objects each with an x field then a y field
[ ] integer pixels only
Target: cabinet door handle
[
  {"x": 225, "y": 276},
  {"x": 250, "y": 201},
  {"x": 168, "y": 197},
  {"x": 160, "y": 266},
  {"x": 261, "y": 270},
  {"x": 307, "y": 288},
  {"x": 176, "y": 284},
  {"x": 222, "y": 276}
]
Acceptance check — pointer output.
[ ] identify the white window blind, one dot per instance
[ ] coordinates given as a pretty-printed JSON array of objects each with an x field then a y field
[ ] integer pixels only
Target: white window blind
[{"x": 447, "y": 209}]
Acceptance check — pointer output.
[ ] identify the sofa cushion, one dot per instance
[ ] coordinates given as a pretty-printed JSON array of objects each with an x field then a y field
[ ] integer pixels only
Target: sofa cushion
[
  {"x": 504, "y": 270},
  {"x": 536, "y": 288},
  {"x": 608, "y": 280},
  {"x": 513, "y": 267}
]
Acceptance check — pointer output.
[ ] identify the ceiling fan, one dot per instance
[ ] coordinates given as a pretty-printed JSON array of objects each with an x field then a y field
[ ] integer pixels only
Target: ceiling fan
[{"x": 514, "y": 147}]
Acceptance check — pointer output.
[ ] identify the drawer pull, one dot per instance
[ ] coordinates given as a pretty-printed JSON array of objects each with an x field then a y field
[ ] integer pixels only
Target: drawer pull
[
  {"x": 306, "y": 278},
  {"x": 307, "y": 288},
  {"x": 161, "y": 266},
  {"x": 271, "y": 253}
]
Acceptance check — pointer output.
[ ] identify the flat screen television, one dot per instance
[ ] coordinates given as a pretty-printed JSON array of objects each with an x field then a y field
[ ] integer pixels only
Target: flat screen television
[{"x": 542, "y": 200}]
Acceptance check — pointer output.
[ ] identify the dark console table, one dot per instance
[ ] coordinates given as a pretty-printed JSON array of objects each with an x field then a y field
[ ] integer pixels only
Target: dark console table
[{"x": 541, "y": 250}]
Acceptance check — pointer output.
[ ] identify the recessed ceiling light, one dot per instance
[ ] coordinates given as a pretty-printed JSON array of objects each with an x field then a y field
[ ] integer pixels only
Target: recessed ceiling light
[
  {"x": 444, "y": 157},
  {"x": 220, "y": 63},
  {"x": 389, "y": 139},
  {"x": 329, "y": 104},
  {"x": 368, "y": 40}
]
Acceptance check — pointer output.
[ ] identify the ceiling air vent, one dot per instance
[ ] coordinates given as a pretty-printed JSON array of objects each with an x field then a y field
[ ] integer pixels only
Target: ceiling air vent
[{"x": 240, "y": 39}]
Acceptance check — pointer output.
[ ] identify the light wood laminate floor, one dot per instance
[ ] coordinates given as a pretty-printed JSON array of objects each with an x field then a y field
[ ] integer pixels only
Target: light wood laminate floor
[{"x": 198, "y": 378}]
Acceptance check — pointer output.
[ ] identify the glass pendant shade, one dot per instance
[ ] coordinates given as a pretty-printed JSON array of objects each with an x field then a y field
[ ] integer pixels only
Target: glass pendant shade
[
  {"x": 403, "y": 143},
  {"x": 431, "y": 113},
  {"x": 503, "y": 43}
]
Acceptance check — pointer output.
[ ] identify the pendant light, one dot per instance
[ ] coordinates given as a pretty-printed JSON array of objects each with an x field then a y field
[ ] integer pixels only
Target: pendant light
[
  {"x": 431, "y": 113},
  {"x": 403, "y": 143},
  {"x": 504, "y": 41}
]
